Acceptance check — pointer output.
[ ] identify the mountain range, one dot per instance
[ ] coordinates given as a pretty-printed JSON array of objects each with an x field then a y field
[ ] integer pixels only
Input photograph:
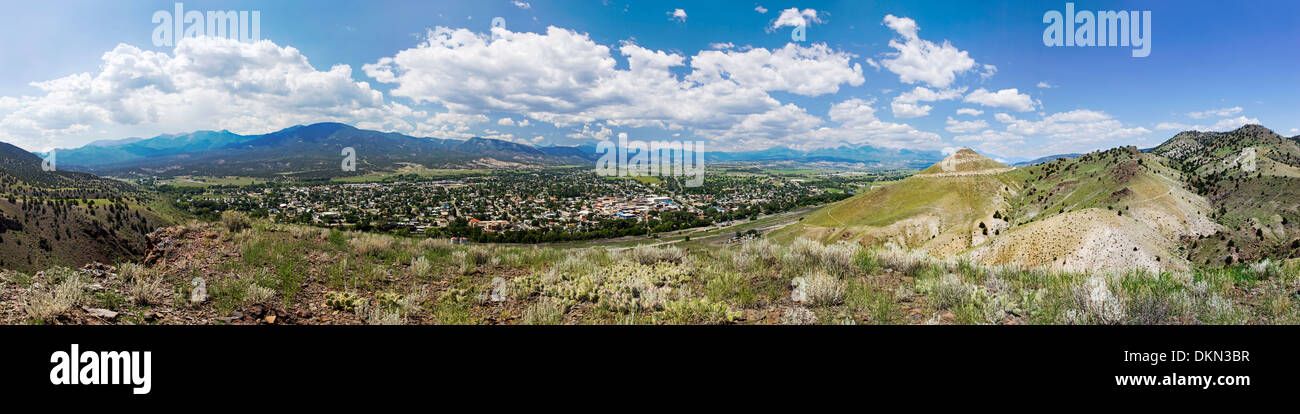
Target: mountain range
[{"x": 316, "y": 151}]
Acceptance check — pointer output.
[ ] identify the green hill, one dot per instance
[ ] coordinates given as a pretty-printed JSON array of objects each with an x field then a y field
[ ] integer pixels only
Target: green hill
[
  {"x": 1251, "y": 178},
  {"x": 65, "y": 218},
  {"x": 1194, "y": 200}
]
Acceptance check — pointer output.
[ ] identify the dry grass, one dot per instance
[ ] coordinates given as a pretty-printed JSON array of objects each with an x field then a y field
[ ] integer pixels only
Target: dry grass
[
  {"x": 798, "y": 316},
  {"x": 420, "y": 267},
  {"x": 822, "y": 289},
  {"x": 547, "y": 311},
  {"x": 235, "y": 221},
  {"x": 367, "y": 243},
  {"x": 62, "y": 290},
  {"x": 258, "y": 294},
  {"x": 143, "y": 285},
  {"x": 648, "y": 255},
  {"x": 756, "y": 255}
]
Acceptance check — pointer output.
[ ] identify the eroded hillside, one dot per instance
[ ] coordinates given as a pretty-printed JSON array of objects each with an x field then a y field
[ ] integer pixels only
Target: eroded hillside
[{"x": 1199, "y": 199}]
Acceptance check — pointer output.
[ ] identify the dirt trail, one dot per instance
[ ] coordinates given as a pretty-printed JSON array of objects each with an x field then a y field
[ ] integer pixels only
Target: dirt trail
[{"x": 968, "y": 173}]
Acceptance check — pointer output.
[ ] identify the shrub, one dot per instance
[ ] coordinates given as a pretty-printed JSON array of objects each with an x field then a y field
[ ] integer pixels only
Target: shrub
[
  {"x": 379, "y": 315},
  {"x": 547, "y": 311},
  {"x": 801, "y": 256},
  {"x": 258, "y": 294},
  {"x": 337, "y": 239},
  {"x": 344, "y": 301},
  {"x": 1265, "y": 269},
  {"x": 731, "y": 286},
  {"x": 61, "y": 291},
  {"x": 366, "y": 243},
  {"x": 756, "y": 254},
  {"x": 434, "y": 244},
  {"x": 648, "y": 255},
  {"x": 1095, "y": 303},
  {"x": 798, "y": 316},
  {"x": 877, "y": 303},
  {"x": 235, "y": 220},
  {"x": 697, "y": 311},
  {"x": 523, "y": 287},
  {"x": 470, "y": 259},
  {"x": 867, "y": 261},
  {"x": 632, "y": 295},
  {"x": 950, "y": 292},
  {"x": 420, "y": 267},
  {"x": 838, "y": 259},
  {"x": 1220, "y": 310},
  {"x": 144, "y": 286},
  {"x": 821, "y": 289},
  {"x": 414, "y": 298},
  {"x": 902, "y": 260}
]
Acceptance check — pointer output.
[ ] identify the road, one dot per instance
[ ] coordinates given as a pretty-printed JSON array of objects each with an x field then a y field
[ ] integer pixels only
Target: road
[{"x": 722, "y": 230}]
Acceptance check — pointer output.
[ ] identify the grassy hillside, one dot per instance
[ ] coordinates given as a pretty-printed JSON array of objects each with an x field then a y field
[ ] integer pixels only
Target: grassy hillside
[
  {"x": 280, "y": 274},
  {"x": 1257, "y": 205},
  {"x": 1107, "y": 210},
  {"x": 50, "y": 218},
  {"x": 939, "y": 215}
]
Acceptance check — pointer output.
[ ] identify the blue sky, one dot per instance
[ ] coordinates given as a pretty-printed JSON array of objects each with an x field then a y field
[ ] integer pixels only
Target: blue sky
[{"x": 726, "y": 72}]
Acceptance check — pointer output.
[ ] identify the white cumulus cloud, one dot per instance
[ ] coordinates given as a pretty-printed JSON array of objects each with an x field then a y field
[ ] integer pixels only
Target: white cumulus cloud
[
  {"x": 564, "y": 78},
  {"x": 920, "y": 60},
  {"x": 678, "y": 15},
  {"x": 1006, "y": 98},
  {"x": 906, "y": 104},
  {"x": 793, "y": 17},
  {"x": 810, "y": 71},
  {"x": 858, "y": 125},
  {"x": 205, "y": 83},
  {"x": 1079, "y": 130},
  {"x": 965, "y": 127}
]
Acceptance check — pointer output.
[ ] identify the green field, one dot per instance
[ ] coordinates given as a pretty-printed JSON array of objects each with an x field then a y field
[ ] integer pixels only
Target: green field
[
  {"x": 202, "y": 181},
  {"x": 422, "y": 172}
]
